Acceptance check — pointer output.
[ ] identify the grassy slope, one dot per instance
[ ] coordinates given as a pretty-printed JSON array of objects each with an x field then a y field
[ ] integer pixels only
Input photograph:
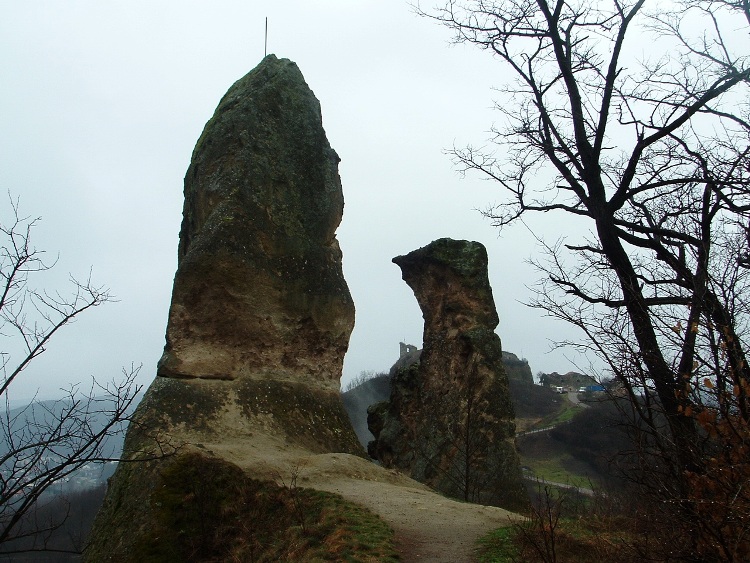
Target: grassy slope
[
  {"x": 548, "y": 459},
  {"x": 206, "y": 509},
  {"x": 583, "y": 538},
  {"x": 261, "y": 521}
]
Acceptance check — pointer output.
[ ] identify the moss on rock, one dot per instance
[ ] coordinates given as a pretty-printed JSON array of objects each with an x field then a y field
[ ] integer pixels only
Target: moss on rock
[
  {"x": 204, "y": 509},
  {"x": 311, "y": 418}
]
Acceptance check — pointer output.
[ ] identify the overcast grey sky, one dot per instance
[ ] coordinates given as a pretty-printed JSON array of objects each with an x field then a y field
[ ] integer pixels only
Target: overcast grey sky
[{"x": 101, "y": 103}]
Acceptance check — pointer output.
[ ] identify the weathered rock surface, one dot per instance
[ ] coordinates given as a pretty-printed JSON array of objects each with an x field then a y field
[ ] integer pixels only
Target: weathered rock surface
[
  {"x": 259, "y": 287},
  {"x": 378, "y": 389},
  {"x": 260, "y": 316},
  {"x": 450, "y": 421}
]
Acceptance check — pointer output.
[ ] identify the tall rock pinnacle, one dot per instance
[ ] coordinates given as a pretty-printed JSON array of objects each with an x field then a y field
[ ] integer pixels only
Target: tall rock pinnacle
[
  {"x": 450, "y": 421},
  {"x": 260, "y": 317},
  {"x": 259, "y": 288}
]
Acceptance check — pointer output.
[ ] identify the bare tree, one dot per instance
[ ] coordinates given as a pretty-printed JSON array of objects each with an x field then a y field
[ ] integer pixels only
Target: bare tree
[
  {"x": 652, "y": 155},
  {"x": 44, "y": 443}
]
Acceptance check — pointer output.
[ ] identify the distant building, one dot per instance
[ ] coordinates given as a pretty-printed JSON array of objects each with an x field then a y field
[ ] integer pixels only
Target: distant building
[{"x": 406, "y": 349}]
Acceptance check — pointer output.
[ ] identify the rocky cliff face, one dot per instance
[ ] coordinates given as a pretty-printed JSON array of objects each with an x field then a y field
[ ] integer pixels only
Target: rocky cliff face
[
  {"x": 260, "y": 315},
  {"x": 450, "y": 421},
  {"x": 517, "y": 369}
]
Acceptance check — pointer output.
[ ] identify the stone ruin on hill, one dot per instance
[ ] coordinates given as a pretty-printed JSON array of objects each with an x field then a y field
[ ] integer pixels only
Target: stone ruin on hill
[
  {"x": 450, "y": 421},
  {"x": 260, "y": 317}
]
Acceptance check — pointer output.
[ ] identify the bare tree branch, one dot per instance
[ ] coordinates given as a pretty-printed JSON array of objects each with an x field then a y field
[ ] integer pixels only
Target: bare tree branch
[
  {"x": 653, "y": 157},
  {"x": 42, "y": 444}
]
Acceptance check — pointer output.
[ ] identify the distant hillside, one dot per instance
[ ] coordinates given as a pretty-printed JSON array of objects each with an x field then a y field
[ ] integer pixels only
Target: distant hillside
[
  {"x": 533, "y": 401},
  {"x": 46, "y": 413},
  {"x": 518, "y": 369},
  {"x": 572, "y": 379},
  {"x": 592, "y": 445},
  {"x": 356, "y": 401}
]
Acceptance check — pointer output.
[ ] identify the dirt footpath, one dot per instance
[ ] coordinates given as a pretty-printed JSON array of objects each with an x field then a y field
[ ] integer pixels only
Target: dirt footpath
[{"x": 428, "y": 526}]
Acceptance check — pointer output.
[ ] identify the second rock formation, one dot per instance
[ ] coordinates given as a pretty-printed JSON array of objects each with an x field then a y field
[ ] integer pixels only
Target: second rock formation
[{"x": 450, "y": 421}]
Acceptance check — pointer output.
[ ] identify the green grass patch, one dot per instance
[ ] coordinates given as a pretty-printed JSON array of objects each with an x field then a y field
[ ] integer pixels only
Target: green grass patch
[
  {"x": 551, "y": 460},
  {"x": 565, "y": 414},
  {"x": 584, "y": 540},
  {"x": 499, "y": 546},
  {"x": 555, "y": 470}
]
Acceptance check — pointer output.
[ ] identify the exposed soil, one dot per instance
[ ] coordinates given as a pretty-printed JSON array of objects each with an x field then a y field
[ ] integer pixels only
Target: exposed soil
[{"x": 428, "y": 526}]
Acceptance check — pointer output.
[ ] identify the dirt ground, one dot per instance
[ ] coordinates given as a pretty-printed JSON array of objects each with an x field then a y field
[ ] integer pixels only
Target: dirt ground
[{"x": 428, "y": 526}]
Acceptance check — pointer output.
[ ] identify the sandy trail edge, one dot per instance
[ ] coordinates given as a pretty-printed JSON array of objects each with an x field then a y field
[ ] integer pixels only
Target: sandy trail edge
[{"x": 427, "y": 526}]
